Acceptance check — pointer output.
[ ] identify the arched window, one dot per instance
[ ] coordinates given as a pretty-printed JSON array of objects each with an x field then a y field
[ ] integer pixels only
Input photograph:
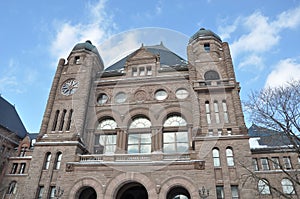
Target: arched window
[
  {"x": 12, "y": 188},
  {"x": 69, "y": 120},
  {"x": 58, "y": 160},
  {"x": 211, "y": 75},
  {"x": 225, "y": 111},
  {"x": 47, "y": 160},
  {"x": 229, "y": 156},
  {"x": 140, "y": 123},
  {"x": 107, "y": 124},
  {"x": 175, "y": 140},
  {"x": 216, "y": 108},
  {"x": 287, "y": 186},
  {"x": 106, "y": 141},
  {"x": 139, "y": 137},
  {"x": 263, "y": 187},
  {"x": 55, "y": 120},
  {"x": 207, "y": 111},
  {"x": 216, "y": 157},
  {"x": 62, "y": 120}
]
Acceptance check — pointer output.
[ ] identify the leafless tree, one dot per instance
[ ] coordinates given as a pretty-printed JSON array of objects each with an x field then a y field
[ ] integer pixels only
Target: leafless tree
[{"x": 278, "y": 109}]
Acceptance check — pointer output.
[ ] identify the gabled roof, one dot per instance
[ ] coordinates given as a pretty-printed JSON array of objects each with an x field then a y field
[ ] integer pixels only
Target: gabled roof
[
  {"x": 10, "y": 119},
  {"x": 167, "y": 57}
]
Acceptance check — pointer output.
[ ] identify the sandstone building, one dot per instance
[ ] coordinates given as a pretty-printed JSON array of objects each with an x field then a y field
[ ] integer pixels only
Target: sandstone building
[{"x": 152, "y": 125}]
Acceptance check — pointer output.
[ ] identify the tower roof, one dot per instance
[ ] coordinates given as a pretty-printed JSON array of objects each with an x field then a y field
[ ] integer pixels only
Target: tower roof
[
  {"x": 167, "y": 57},
  {"x": 204, "y": 33},
  {"x": 10, "y": 119}
]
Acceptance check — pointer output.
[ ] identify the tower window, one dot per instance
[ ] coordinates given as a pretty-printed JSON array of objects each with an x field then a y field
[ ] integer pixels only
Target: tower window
[
  {"x": 207, "y": 110},
  {"x": 207, "y": 47},
  {"x": 55, "y": 120},
  {"x": 47, "y": 161},
  {"x": 149, "y": 70},
  {"x": 22, "y": 168},
  {"x": 77, "y": 60},
  {"x": 142, "y": 71}
]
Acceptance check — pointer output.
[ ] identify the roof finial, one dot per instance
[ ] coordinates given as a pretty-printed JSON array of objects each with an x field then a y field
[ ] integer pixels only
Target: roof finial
[{"x": 161, "y": 43}]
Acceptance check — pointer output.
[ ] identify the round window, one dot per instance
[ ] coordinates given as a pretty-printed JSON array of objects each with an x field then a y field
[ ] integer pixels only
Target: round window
[
  {"x": 102, "y": 99},
  {"x": 161, "y": 95},
  {"x": 120, "y": 97},
  {"x": 182, "y": 93}
]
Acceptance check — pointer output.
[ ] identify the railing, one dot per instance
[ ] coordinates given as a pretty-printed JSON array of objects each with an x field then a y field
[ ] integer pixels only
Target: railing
[{"x": 134, "y": 157}]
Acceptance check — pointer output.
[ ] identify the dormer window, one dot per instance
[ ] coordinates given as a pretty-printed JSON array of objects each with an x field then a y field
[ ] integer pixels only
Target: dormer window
[
  {"x": 134, "y": 72},
  {"x": 142, "y": 71},
  {"x": 149, "y": 71},
  {"x": 207, "y": 47},
  {"x": 77, "y": 60}
]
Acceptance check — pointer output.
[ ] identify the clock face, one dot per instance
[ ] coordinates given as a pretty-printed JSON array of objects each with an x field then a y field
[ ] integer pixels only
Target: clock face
[{"x": 69, "y": 87}]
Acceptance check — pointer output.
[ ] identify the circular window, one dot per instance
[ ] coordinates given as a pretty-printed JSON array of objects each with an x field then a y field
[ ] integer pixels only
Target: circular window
[
  {"x": 102, "y": 99},
  {"x": 161, "y": 95},
  {"x": 182, "y": 93},
  {"x": 120, "y": 97}
]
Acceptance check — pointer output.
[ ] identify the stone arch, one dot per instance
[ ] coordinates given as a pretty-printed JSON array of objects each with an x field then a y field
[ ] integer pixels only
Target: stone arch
[
  {"x": 87, "y": 182},
  {"x": 183, "y": 111},
  {"x": 178, "y": 181},
  {"x": 137, "y": 111},
  {"x": 119, "y": 181}
]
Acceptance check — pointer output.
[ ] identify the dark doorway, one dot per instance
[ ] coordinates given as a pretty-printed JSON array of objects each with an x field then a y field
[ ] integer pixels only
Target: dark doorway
[
  {"x": 86, "y": 193},
  {"x": 132, "y": 190},
  {"x": 178, "y": 193}
]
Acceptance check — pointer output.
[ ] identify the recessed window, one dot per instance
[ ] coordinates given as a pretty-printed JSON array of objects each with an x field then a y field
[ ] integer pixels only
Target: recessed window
[
  {"x": 102, "y": 99},
  {"x": 234, "y": 192},
  {"x": 105, "y": 144},
  {"x": 149, "y": 70},
  {"x": 220, "y": 192},
  {"x": 161, "y": 95},
  {"x": 229, "y": 156},
  {"x": 287, "y": 186},
  {"x": 287, "y": 163},
  {"x": 263, "y": 187},
  {"x": 142, "y": 71},
  {"x": 22, "y": 168},
  {"x": 58, "y": 160},
  {"x": 207, "y": 47},
  {"x": 216, "y": 157},
  {"x": 14, "y": 168},
  {"x": 207, "y": 111},
  {"x": 255, "y": 164},
  {"x": 12, "y": 189},
  {"x": 47, "y": 160},
  {"x": 211, "y": 75},
  {"x": 275, "y": 162},
  {"x": 174, "y": 120},
  {"x": 77, "y": 60},
  {"x": 52, "y": 192},
  {"x": 107, "y": 124},
  {"x": 134, "y": 72},
  {"x": 120, "y": 97},
  {"x": 264, "y": 163},
  {"x": 216, "y": 108},
  {"x": 140, "y": 123},
  {"x": 182, "y": 93},
  {"x": 40, "y": 192}
]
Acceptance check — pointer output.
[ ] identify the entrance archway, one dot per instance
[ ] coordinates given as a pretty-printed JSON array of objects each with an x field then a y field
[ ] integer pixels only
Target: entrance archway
[
  {"x": 132, "y": 190},
  {"x": 86, "y": 193},
  {"x": 178, "y": 193}
]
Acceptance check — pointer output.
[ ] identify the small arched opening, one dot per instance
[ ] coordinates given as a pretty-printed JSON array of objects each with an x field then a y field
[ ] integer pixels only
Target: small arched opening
[
  {"x": 132, "y": 190},
  {"x": 178, "y": 192},
  {"x": 86, "y": 193}
]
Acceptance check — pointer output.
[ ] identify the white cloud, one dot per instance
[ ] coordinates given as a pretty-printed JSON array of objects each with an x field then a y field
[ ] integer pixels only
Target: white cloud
[
  {"x": 285, "y": 71},
  {"x": 256, "y": 62},
  {"x": 261, "y": 32},
  {"x": 98, "y": 28}
]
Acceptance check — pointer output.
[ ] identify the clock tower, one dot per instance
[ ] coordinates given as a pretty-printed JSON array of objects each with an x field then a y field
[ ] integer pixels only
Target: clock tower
[
  {"x": 64, "y": 126},
  {"x": 67, "y": 110}
]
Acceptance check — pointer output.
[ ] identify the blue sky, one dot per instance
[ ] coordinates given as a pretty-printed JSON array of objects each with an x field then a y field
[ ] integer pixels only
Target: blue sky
[{"x": 264, "y": 37}]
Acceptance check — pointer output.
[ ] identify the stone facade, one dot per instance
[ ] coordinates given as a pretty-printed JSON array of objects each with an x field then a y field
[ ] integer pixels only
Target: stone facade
[{"x": 150, "y": 126}]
